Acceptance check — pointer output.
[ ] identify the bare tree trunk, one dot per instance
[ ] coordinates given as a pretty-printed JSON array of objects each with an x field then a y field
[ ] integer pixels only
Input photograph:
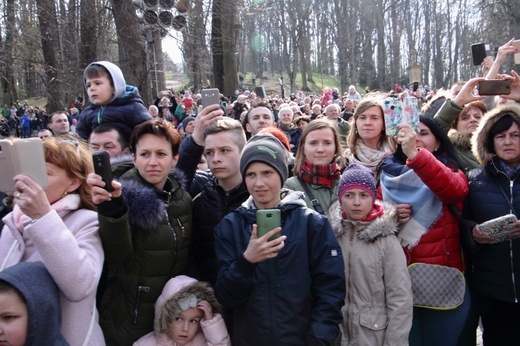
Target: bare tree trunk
[
  {"x": 216, "y": 45},
  {"x": 89, "y": 35},
  {"x": 8, "y": 81},
  {"x": 129, "y": 33},
  {"x": 50, "y": 40},
  {"x": 230, "y": 31},
  {"x": 381, "y": 48}
]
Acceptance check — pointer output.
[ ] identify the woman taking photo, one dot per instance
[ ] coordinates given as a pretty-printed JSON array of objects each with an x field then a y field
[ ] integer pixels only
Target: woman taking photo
[
  {"x": 367, "y": 141},
  {"x": 459, "y": 118},
  {"x": 422, "y": 179},
  {"x": 59, "y": 227},
  {"x": 145, "y": 227},
  {"x": 494, "y": 191},
  {"x": 316, "y": 167}
]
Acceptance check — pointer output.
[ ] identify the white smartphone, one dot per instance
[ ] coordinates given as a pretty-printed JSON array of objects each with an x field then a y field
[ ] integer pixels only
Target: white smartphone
[
  {"x": 23, "y": 156},
  {"x": 210, "y": 97}
]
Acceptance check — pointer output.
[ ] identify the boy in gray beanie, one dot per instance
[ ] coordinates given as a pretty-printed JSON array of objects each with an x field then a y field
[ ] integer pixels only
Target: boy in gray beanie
[
  {"x": 256, "y": 273},
  {"x": 267, "y": 149}
]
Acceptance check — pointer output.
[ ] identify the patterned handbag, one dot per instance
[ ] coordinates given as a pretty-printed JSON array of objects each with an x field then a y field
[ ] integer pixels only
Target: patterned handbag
[{"x": 436, "y": 287}]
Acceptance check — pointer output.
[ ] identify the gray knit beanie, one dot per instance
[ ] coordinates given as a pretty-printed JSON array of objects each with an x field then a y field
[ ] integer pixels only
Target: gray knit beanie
[{"x": 267, "y": 149}]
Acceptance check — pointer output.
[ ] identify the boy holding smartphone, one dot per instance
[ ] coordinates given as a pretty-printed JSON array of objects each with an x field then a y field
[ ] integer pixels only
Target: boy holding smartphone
[{"x": 287, "y": 291}]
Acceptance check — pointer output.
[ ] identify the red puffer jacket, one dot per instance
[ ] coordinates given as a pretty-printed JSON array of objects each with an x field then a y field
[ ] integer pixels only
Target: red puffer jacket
[{"x": 441, "y": 244}]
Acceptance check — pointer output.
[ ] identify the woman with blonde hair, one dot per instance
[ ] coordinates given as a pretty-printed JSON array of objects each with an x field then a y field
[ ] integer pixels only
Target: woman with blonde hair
[
  {"x": 59, "y": 227},
  {"x": 367, "y": 141},
  {"x": 317, "y": 165}
]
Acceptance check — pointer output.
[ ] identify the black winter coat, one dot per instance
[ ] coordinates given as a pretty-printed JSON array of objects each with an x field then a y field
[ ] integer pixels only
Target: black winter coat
[
  {"x": 144, "y": 246},
  {"x": 496, "y": 267},
  {"x": 209, "y": 208},
  {"x": 293, "y": 299}
]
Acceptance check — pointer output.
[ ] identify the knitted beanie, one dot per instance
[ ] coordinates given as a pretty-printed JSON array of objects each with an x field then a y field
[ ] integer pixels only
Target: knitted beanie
[
  {"x": 267, "y": 149},
  {"x": 357, "y": 177},
  {"x": 186, "y": 120}
]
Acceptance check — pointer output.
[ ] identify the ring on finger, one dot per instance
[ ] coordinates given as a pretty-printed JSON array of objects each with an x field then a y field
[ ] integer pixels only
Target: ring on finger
[
  {"x": 24, "y": 187},
  {"x": 17, "y": 195}
]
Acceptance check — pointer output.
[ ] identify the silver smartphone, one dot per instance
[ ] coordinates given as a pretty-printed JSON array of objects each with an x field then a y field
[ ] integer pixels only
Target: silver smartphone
[{"x": 210, "y": 97}]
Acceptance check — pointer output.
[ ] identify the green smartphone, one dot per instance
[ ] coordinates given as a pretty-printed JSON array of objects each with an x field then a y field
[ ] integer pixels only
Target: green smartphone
[{"x": 267, "y": 220}]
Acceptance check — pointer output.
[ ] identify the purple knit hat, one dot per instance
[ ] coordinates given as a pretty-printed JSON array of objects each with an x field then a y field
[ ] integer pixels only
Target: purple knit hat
[{"x": 357, "y": 177}]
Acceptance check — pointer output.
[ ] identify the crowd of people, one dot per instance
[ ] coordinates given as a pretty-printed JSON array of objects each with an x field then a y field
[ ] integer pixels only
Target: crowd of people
[{"x": 377, "y": 239}]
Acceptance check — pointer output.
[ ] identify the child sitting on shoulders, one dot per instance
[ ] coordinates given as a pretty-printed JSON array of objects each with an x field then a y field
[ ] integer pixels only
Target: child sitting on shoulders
[
  {"x": 111, "y": 100},
  {"x": 187, "y": 313},
  {"x": 378, "y": 306}
]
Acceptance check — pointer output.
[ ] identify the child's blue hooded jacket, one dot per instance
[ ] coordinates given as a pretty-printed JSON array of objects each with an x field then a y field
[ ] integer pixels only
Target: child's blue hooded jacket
[
  {"x": 125, "y": 110},
  {"x": 36, "y": 285}
]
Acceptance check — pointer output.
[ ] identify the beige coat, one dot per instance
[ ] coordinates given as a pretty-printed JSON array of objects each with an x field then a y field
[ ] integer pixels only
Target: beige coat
[{"x": 378, "y": 305}]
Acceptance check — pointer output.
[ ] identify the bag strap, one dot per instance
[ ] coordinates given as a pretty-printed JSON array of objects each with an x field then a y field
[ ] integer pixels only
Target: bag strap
[
  {"x": 454, "y": 210},
  {"x": 505, "y": 196},
  {"x": 314, "y": 201}
]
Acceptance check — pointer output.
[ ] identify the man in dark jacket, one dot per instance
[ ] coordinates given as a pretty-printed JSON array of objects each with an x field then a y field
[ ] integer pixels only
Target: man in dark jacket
[{"x": 222, "y": 194}]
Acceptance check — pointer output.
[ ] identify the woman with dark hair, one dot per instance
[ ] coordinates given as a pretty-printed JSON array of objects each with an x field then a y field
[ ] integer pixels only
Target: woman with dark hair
[
  {"x": 494, "y": 191},
  {"x": 145, "y": 228},
  {"x": 423, "y": 179}
]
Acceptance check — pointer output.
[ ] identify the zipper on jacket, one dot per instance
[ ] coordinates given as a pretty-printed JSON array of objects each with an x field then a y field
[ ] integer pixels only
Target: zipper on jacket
[
  {"x": 175, "y": 247},
  {"x": 183, "y": 230},
  {"x": 140, "y": 289},
  {"x": 351, "y": 235},
  {"x": 511, "y": 183}
]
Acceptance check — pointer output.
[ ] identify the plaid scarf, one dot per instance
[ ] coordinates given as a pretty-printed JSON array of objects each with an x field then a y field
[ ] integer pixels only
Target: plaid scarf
[{"x": 319, "y": 174}]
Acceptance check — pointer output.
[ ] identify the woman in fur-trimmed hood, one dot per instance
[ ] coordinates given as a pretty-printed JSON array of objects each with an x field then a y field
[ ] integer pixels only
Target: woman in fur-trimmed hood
[
  {"x": 494, "y": 190},
  {"x": 181, "y": 297},
  {"x": 378, "y": 304}
]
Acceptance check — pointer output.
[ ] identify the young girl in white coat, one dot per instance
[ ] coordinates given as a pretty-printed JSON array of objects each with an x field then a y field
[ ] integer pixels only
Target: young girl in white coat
[{"x": 378, "y": 306}]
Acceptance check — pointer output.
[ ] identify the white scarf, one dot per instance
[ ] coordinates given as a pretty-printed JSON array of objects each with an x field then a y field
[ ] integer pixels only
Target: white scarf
[{"x": 368, "y": 157}]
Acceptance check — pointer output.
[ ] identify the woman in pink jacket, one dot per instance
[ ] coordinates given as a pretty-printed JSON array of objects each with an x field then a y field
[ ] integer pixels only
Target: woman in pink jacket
[
  {"x": 59, "y": 227},
  {"x": 187, "y": 313}
]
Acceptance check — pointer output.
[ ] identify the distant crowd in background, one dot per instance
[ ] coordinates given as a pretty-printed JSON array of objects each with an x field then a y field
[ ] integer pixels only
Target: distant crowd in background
[{"x": 265, "y": 220}]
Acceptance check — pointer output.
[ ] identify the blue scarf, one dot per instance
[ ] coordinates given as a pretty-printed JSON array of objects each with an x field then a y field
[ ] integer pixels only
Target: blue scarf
[{"x": 401, "y": 185}]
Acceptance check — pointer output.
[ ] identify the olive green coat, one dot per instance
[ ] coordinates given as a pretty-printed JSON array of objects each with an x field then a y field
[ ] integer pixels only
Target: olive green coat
[{"x": 144, "y": 248}]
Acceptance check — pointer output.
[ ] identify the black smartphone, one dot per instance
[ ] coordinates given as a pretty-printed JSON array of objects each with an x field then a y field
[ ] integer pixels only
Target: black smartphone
[
  {"x": 260, "y": 91},
  {"x": 494, "y": 87},
  {"x": 102, "y": 167},
  {"x": 479, "y": 51},
  {"x": 415, "y": 86},
  {"x": 267, "y": 220}
]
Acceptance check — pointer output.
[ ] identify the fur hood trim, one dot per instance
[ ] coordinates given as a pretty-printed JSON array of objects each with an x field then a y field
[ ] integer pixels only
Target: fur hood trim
[
  {"x": 382, "y": 226},
  {"x": 146, "y": 204},
  {"x": 479, "y": 141},
  {"x": 174, "y": 296},
  {"x": 458, "y": 139},
  {"x": 121, "y": 159}
]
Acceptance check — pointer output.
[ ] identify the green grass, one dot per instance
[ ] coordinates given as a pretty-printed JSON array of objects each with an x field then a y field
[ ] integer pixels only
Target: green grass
[{"x": 271, "y": 82}]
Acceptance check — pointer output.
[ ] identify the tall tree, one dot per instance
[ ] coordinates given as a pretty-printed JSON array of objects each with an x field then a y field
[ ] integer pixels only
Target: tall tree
[
  {"x": 50, "y": 41},
  {"x": 133, "y": 60}
]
